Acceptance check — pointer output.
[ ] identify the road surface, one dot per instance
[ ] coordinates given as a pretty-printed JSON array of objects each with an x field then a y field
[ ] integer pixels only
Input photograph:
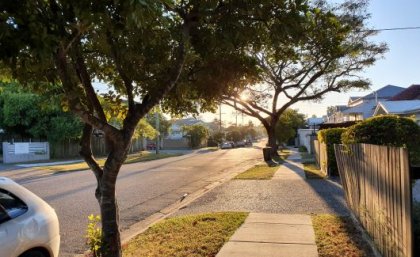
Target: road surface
[{"x": 142, "y": 189}]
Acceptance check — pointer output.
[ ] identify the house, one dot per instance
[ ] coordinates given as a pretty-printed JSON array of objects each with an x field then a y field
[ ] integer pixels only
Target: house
[
  {"x": 410, "y": 93},
  {"x": 406, "y": 108},
  {"x": 176, "y": 132},
  {"x": 360, "y": 108},
  {"x": 406, "y": 104},
  {"x": 305, "y": 136}
]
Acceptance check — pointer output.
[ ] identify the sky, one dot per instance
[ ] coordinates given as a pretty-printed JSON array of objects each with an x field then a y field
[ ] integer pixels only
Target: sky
[{"x": 400, "y": 65}]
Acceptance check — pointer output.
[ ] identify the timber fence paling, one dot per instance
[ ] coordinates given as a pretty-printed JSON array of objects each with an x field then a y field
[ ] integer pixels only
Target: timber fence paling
[
  {"x": 321, "y": 156},
  {"x": 377, "y": 186}
]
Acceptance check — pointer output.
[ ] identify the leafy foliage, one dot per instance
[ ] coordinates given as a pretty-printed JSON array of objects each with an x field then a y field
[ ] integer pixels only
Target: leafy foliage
[
  {"x": 330, "y": 137},
  {"x": 216, "y": 138},
  {"x": 94, "y": 235},
  {"x": 31, "y": 116},
  {"x": 289, "y": 121},
  {"x": 307, "y": 50},
  {"x": 197, "y": 134},
  {"x": 387, "y": 130}
]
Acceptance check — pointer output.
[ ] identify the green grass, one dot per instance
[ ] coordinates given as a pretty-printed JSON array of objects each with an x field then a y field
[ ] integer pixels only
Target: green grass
[
  {"x": 307, "y": 158},
  {"x": 258, "y": 172},
  {"x": 284, "y": 153},
  {"x": 132, "y": 158},
  {"x": 189, "y": 236},
  {"x": 337, "y": 236},
  {"x": 312, "y": 171}
]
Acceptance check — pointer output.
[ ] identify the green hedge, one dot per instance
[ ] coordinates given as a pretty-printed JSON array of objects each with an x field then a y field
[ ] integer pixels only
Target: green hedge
[
  {"x": 330, "y": 137},
  {"x": 387, "y": 130}
]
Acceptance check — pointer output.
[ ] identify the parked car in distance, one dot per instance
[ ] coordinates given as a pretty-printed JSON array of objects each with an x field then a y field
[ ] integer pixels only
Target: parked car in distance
[
  {"x": 240, "y": 143},
  {"x": 248, "y": 142},
  {"x": 151, "y": 146},
  {"x": 28, "y": 225},
  {"x": 226, "y": 145}
]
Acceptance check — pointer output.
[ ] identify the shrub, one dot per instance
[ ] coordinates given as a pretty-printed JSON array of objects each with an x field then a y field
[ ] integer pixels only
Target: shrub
[
  {"x": 330, "y": 137},
  {"x": 94, "y": 235},
  {"x": 303, "y": 149},
  {"x": 387, "y": 130}
]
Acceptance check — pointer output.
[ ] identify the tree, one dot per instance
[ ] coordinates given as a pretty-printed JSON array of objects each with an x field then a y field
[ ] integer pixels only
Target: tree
[
  {"x": 197, "y": 134},
  {"x": 27, "y": 115},
  {"x": 324, "y": 51},
  {"x": 139, "y": 48},
  {"x": 290, "y": 120}
]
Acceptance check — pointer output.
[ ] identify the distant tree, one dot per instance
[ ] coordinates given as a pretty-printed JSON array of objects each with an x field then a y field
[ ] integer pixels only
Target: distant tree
[
  {"x": 164, "y": 123},
  {"x": 197, "y": 134},
  {"x": 287, "y": 125},
  {"x": 234, "y": 135},
  {"x": 216, "y": 138}
]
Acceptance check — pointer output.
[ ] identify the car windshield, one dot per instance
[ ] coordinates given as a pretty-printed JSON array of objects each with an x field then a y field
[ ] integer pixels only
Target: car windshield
[{"x": 10, "y": 206}]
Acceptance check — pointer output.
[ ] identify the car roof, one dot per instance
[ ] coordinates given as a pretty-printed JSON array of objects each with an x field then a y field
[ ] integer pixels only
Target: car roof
[{"x": 21, "y": 192}]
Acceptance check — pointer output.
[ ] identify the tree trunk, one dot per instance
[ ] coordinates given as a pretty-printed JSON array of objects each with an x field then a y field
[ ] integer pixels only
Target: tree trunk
[
  {"x": 111, "y": 242},
  {"x": 272, "y": 141}
]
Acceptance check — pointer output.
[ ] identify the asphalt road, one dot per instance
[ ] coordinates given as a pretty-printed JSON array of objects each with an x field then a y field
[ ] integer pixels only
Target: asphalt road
[{"x": 142, "y": 189}]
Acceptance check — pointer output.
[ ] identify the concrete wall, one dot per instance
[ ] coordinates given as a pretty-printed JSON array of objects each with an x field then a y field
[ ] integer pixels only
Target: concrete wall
[
  {"x": 304, "y": 136},
  {"x": 25, "y": 152}
]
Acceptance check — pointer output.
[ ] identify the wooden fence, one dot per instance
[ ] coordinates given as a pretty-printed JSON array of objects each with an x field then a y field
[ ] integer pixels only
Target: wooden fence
[
  {"x": 70, "y": 149},
  {"x": 321, "y": 156},
  {"x": 377, "y": 186}
]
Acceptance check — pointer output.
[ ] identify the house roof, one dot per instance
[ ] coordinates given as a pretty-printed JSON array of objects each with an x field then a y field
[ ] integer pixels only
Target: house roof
[
  {"x": 410, "y": 93},
  {"x": 399, "y": 107},
  {"x": 366, "y": 109},
  {"x": 315, "y": 121},
  {"x": 186, "y": 122},
  {"x": 385, "y": 92}
]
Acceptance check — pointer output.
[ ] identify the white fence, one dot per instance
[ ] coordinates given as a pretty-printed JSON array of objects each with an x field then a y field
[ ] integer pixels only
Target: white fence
[{"x": 25, "y": 152}]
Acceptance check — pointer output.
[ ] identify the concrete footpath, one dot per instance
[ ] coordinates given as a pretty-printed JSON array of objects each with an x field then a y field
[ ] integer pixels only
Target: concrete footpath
[
  {"x": 275, "y": 235},
  {"x": 272, "y": 235},
  {"x": 279, "y": 223}
]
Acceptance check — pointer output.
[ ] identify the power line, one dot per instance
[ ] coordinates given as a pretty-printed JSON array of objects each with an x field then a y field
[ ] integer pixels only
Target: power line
[{"x": 398, "y": 28}]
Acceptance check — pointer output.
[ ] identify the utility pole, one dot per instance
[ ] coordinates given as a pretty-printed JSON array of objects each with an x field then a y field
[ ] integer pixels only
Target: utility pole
[
  {"x": 220, "y": 117},
  {"x": 158, "y": 133}
]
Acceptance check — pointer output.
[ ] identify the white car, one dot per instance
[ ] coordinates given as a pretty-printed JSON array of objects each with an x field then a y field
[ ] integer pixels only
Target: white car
[{"x": 28, "y": 225}]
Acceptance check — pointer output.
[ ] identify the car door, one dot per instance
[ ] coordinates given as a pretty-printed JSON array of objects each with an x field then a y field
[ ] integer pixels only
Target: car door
[{"x": 11, "y": 208}]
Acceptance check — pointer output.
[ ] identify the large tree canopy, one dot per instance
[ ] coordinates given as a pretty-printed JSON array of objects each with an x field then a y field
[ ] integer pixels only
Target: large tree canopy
[
  {"x": 140, "y": 49},
  {"x": 302, "y": 54}
]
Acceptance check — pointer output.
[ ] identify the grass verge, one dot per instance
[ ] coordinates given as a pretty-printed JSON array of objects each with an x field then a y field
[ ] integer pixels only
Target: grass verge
[
  {"x": 284, "y": 154},
  {"x": 307, "y": 157},
  {"x": 258, "y": 172},
  {"x": 194, "y": 236},
  {"x": 337, "y": 236},
  {"x": 312, "y": 171},
  {"x": 132, "y": 158}
]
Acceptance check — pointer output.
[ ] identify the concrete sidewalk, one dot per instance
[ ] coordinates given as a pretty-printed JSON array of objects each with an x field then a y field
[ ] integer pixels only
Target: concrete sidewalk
[
  {"x": 272, "y": 235},
  {"x": 275, "y": 235}
]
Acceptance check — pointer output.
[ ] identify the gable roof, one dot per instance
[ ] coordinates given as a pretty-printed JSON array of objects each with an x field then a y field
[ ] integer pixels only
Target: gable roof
[
  {"x": 187, "y": 122},
  {"x": 385, "y": 92},
  {"x": 366, "y": 109},
  {"x": 399, "y": 107},
  {"x": 410, "y": 93}
]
